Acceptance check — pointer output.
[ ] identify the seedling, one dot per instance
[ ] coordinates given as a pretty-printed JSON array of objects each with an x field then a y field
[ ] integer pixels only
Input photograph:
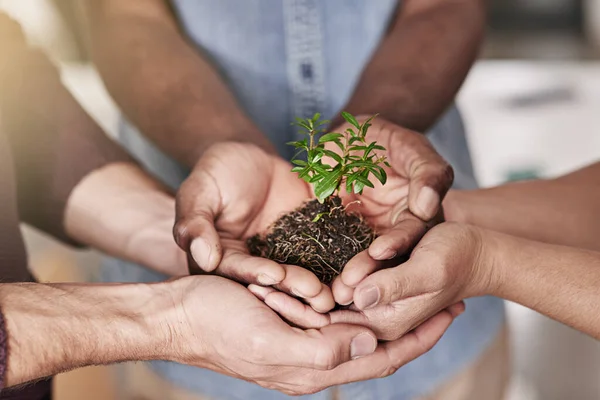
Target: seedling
[
  {"x": 353, "y": 165},
  {"x": 321, "y": 235}
]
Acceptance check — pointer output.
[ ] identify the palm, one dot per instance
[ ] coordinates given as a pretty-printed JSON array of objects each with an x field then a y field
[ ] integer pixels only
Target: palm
[
  {"x": 236, "y": 191},
  {"x": 254, "y": 187}
]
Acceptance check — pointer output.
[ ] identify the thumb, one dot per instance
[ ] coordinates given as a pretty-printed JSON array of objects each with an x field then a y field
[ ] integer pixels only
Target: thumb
[
  {"x": 413, "y": 157},
  {"x": 389, "y": 285},
  {"x": 198, "y": 203},
  {"x": 330, "y": 346},
  {"x": 429, "y": 183}
]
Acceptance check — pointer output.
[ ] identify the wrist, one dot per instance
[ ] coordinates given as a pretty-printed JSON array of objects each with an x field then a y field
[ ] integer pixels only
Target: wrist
[
  {"x": 491, "y": 262},
  {"x": 456, "y": 206},
  {"x": 54, "y": 328}
]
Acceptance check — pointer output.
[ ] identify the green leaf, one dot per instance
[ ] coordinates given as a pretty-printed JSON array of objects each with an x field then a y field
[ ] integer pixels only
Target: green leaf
[
  {"x": 350, "y": 119},
  {"x": 387, "y": 164},
  {"x": 358, "y": 148},
  {"x": 339, "y": 144},
  {"x": 319, "y": 216},
  {"x": 333, "y": 155},
  {"x": 316, "y": 117},
  {"x": 322, "y": 169},
  {"x": 299, "y": 144},
  {"x": 301, "y": 163},
  {"x": 330, "y": 137},
  {"x": 358, "y": 187},
  {"x": 379, "y": 174},
  {"x": 359, "y": 164},
  {"x": 329, "y": 184},
  {"x": 378, "y": 147},
  {"x": 317, "y": 157},
  {"x": 297, "y": 169},
  {"x": 364, "y": 181},
  {"x": 354, "y": 140}
]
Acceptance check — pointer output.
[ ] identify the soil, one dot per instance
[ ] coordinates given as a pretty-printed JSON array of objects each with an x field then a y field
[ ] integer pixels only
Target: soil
[{"x": 323, "y": 246}]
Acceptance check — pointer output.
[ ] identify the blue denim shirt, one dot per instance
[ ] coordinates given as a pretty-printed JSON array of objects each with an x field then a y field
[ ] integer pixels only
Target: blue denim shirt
[{"x": 288, "y": 58}]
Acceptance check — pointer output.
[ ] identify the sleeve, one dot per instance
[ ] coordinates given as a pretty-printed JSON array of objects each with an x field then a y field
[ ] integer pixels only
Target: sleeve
[{"x": 55, "y": 144}]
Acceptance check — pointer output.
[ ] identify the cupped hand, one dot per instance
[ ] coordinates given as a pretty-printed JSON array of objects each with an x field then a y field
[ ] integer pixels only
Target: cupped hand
[
  {"x": 401, "y": 210},
  {"x": 219, "y": 325},
  {"x": 448, "y": 265},
  {"x": 235, "y": 191}
]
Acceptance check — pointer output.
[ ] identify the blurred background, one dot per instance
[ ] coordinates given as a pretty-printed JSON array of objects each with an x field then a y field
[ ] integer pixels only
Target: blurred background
[{"x": 531, "y": 105}]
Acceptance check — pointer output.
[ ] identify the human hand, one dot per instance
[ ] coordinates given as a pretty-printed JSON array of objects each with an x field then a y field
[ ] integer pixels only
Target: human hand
[
  {"x": 401, "y": 210},
  {"x": 451, "y": 263},
  {"x": 220, "y": 325},
  {"x": 235, "y": 191}
]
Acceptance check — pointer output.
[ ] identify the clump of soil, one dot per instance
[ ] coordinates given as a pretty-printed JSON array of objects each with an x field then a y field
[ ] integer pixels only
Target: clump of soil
[{"x": 323, "y": 246}]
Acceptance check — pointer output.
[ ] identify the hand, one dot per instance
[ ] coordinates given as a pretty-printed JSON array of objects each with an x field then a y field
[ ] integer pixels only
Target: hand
[
  {"x": 401, "y": 210},
  {"x": 235, "y": 191},
  {"x": 451, "y": 263},
  {"x": 220, "y": 325}
]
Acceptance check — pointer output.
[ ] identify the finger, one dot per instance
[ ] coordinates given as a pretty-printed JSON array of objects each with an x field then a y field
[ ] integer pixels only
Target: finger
[
  {"x": 430, "y": 176},
  {"x": 328, "y": 347},
  {"x": 342, "y": 294},
  {"x": 261, "y": 291},
  {"x": 392, "y": 284},
  {"x": 398, "y": 240},
  {"x": 429, "y": 183},
  {"x": 362, "y": 265},
  {"x": 197, "y": 205},
  {"x": 242, "y": 267},
  {"x": 300, "y": 282},
  {"x": 389, "y": 356},
  {"x": 457, "y": 309},
  {"x": 290, "y": 308},
  {"x": 323, "y": 302}
]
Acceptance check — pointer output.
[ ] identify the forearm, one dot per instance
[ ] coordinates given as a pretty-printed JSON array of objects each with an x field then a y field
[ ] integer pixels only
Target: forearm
[
  {"x": 54, "y": 328},
  {"x": 121, "y": 210},
  {"x": 168, "y": 90},
  {"x": 561, "y": 211},
  {"x": 419, "y": 67},
  {"x": 560, "y": 282},
  {"x": 54, "y": 143}
]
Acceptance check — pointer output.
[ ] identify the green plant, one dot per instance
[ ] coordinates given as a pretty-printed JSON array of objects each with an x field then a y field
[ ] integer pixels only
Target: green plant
[{"x": 353, "y": 165}]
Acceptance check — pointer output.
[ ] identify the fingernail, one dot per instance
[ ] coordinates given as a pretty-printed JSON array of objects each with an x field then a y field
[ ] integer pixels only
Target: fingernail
[
  {"x": 201, "y": 252},
  {"x": 362, "y": 345},
  {"x": 386, "y": 254},
  {"x": 428, "y": 202},
  {"x": 367, "y": 298},
  {"x": 267, "y": 280}
]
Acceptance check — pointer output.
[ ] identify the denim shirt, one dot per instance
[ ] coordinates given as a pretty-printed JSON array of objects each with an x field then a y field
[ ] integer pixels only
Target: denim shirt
[{"x": 288, "y": 58}]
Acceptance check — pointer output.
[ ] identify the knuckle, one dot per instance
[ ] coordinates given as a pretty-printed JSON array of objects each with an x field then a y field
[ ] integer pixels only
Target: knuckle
[
  {"x": 258, "y": 346},
  {"x": 325, "y": 358}
]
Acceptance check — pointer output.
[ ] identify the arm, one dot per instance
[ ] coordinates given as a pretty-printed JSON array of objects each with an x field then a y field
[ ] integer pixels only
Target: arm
[
  {"x": 560, "y": 282},
  {"x": 455, "y": 262},
  {"x": 420, "y": 65},
  {"x": 164, "y": 86},
  {"x": 561, "y": 211},
  {"x": 73, "y": 181},
  {"x": 192, "y": 320},
  {"x": 55, "y": 328}
]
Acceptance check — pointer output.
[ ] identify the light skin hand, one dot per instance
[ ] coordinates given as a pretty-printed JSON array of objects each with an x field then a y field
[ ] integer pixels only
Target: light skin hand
[
  {"x": 208, "y": 322},
  {"x": 235, "y": 191},
  {"x": 232, "y": 332},
  {"x": 442, "y": 270}
]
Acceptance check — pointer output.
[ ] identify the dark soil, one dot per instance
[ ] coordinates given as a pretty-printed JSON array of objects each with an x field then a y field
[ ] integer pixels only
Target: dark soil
[{"x": 323, "y": 247}]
